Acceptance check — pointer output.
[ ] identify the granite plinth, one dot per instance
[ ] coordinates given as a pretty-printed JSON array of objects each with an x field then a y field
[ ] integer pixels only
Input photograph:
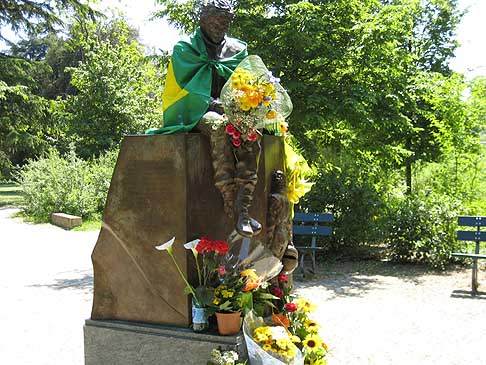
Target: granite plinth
[
  {"x": 126, "y": 343},
  {"x": 162, "y": 187}
]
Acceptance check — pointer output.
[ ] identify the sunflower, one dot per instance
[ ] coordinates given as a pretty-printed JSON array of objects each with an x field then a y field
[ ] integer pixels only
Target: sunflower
[
  {"x": 305, "y": 306},
  {"x": 312, "y": 326},
  {"x": 312, "y": 343}
]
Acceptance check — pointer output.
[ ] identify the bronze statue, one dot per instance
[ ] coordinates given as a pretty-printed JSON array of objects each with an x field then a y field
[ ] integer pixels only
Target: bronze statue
[
  {"x": 279, "y": 224},
  {"x": 235, "y": 168}
]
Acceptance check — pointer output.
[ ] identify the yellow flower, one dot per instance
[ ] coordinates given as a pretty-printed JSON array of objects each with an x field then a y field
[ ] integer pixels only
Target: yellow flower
[
  {"x": 304, "y": 305},
  {"x": 267, "y": 347},
  {"x": 271, "y": 114},
  {"x": 312, "y": 326},
  {"x": 216, "y": 301},
  {"x": 312, "y": 343},
  {"x": 295, "y": 339},
  {"x": 282, "y": 343},
  {"x": 249, "y": 273},
  {"x": 284, "y": 127}
]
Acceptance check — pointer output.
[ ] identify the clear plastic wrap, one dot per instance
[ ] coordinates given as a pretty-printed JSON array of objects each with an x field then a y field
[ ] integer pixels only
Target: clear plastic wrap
[{"x": 256, "y": 354}]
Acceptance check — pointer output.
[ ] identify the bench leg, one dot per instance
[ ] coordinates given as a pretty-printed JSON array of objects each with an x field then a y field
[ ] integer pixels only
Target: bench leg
[
  {"x": 313, "y": 256},
  {"x": 475, "y": 276},
  {"x": 302, "y": 254},
  {"x": 475, "y": 270}
]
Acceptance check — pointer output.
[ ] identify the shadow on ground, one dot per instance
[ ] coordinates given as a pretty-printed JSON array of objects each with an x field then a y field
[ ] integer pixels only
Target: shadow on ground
[
  {"x": 466, "y": 294},
  {"x": 83, "y": 283},
  {"x": 356, "y": 278}
]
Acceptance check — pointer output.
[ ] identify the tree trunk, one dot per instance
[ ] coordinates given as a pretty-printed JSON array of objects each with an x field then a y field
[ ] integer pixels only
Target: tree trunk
[{"x": 408, "y": 177}]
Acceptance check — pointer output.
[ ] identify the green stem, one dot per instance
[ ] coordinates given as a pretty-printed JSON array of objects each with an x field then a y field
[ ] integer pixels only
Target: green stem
[
  {"x": 189, "y": 286},
  {"x": 198, "y": 270}
]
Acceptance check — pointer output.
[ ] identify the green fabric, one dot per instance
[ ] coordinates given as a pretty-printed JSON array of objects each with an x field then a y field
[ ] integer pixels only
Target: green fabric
[{"x": 193, "y": 73}]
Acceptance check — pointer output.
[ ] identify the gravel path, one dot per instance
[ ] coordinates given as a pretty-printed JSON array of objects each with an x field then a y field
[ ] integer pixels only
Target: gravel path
[
  {"x": 380, "y": 313},
  {"x": 372, "y": 313}
]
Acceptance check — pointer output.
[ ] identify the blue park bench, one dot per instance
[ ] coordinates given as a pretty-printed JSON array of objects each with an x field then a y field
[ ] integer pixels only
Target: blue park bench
[
  {"x": 475, "y": 236},
  {"x": 311, "y": 225}
]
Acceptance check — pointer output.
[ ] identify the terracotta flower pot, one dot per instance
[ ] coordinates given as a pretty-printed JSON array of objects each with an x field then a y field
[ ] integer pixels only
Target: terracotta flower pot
[{"x": 228, "y": 323}]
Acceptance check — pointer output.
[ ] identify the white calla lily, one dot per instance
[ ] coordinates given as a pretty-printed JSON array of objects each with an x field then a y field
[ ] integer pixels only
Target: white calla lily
[
  {"x": 192, "y": 244},
  {"x": 167, "y": 245}
]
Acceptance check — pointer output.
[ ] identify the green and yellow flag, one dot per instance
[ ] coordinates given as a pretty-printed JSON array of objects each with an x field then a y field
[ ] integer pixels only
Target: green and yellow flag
[{"x": 187, "y": 91}]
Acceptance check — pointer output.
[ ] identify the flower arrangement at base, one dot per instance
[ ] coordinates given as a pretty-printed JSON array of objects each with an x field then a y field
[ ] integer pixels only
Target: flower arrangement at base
[
  {"x": 221, "y": 357},
  {"x": 294, "y": 314},
  {"x": 270, "y": 345},
  {"x": 252, "y": 99},
  {"x": 211, "y": 251}
]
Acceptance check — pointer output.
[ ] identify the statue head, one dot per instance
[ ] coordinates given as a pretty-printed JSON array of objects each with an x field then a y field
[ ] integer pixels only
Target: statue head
[{"x": 216, "y": 18}]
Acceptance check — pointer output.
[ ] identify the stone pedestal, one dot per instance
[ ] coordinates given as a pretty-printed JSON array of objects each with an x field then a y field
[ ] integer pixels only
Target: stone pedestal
[
  {"x": 162, "y": 187},
  {"x": 126, "y": 343}
]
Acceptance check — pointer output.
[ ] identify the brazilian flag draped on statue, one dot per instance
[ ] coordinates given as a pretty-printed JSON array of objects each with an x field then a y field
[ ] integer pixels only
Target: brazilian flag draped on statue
[{"x": 187, "y": 91}]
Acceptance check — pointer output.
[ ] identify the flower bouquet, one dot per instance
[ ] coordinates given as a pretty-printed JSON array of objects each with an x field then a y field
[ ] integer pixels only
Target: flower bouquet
[
  {"x": 242, "y": 281},
  {"x": 211, "y": 251},
  {"x": 252, "y": 99},
  {"x": 270, "y": 345},
  {"x": 294, "y": 314}
]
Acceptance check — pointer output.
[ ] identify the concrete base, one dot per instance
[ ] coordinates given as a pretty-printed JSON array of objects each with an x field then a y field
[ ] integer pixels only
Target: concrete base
[{"x": 127, "y": 343}]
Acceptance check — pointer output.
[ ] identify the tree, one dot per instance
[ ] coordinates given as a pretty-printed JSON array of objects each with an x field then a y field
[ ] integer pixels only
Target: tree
[
  {"x": 37, "y": 17},
  {"x": 118, "y": 90}
]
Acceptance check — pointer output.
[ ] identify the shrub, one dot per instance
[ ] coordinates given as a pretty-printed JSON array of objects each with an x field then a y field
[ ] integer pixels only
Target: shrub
[
  {"x": 67, "y": 184},
  {"x": 356, "y": 206},
  {"x": 422, "y": 229}
]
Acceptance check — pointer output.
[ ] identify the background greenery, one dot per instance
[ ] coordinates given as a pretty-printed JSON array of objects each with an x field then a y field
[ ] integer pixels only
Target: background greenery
[{"x": 392, "y": 133}]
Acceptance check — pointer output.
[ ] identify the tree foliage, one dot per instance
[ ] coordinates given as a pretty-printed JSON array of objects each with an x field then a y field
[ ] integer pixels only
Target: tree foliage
[
  {"x": 37, "y": 17},
  {"x": 118, "y": 90},
  {"x": 375, "y": 101}
]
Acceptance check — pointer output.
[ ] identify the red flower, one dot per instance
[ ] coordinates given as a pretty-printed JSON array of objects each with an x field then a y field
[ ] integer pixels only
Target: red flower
[
  {"x": 204, "y": 245},
  {"x": 252, "y": 137},
  {"x": 290, "y": 307},
  {"x": 221, "y": 270},
  {"x": 230, "y": 129},
  {"x": 278, "y": 292},
  {"x": 220, "y": 247},
  {"x": 237, "y": 134},
  {"x": 236, "y": 142},
  {"x": 283, "y": 278}
]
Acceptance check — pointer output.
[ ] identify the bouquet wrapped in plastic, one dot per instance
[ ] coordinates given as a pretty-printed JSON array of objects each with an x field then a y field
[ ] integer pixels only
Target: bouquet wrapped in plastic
[
  {"x": 269, "y": 345},
  {"x": 253, "y": 98}
]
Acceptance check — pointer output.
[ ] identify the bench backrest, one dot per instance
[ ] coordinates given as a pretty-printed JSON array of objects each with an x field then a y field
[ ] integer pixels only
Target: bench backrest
[
  {"x": 468, "y": 221},
  {"x": 310, "y": 224}
]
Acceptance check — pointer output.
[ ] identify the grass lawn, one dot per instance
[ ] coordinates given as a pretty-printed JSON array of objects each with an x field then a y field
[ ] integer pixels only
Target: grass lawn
[{"x": 10, "y": 195}]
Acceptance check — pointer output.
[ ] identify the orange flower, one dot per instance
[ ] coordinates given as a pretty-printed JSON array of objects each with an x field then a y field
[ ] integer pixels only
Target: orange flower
[
  {"x": 251, "y": 283},
  {"x": 280, "y": 320}
]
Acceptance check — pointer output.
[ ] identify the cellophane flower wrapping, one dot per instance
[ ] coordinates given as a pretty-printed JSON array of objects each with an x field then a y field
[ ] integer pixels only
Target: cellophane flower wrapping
[
  {"x": 253, "y": 98},
  {"x": 256, "y": 354}
]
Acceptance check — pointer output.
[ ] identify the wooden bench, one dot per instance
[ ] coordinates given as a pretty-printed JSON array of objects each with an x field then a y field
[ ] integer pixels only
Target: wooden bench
[
  {"x": 475, "y": 236},
  {"x": 310, "y": 224}
]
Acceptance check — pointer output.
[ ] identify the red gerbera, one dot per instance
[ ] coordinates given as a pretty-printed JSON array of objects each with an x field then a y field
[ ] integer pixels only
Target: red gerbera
[
  {"x": 283, "y": 278},
  {"x": 230, "y": 129},
  {"x": 290, "y": 307}
]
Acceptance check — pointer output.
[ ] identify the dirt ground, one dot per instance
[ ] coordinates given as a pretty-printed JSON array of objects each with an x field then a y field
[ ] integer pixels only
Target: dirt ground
[
  {"x": 372, "y": 312},
  {"x": 383, "y": 313}
]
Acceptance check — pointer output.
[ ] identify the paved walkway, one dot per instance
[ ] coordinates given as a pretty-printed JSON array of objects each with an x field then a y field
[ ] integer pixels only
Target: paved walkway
[
  {"x": 373, "y": 313},
  {"x": 45, "y": 291}
]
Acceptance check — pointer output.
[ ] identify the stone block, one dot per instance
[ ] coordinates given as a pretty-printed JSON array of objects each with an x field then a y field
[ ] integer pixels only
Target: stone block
[
  {"x": 66, "y": 221},
  {"x": 163, "y": 187},
  {"x": 127, "y": 343}
]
